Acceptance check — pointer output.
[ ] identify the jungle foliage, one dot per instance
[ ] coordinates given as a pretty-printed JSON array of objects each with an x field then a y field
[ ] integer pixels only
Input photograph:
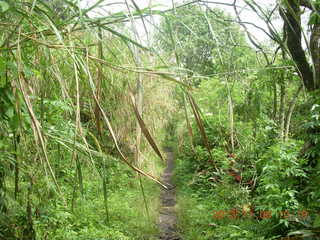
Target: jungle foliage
[{"x": 87, "y": 102}]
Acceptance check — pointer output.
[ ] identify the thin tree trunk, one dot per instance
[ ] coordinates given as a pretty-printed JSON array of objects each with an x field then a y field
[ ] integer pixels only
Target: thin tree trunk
[
  {"x": 105, "y": 193},
  {"x": 79, "y": 174},
  {"x": 16, "y": 167},
  {"x": 275, "y": 101},
  {"x": 231, "y": 117},
  {"x": 255, "y": 127},
  {"x": 290, "y": 111},
  {"x": 74, "y": 194},
  {"x": 282, "y": 108},
  {"x": 99, "y": 80},
  {"x": 3, "y": 206},
  {"x": 28, "y": 232}
]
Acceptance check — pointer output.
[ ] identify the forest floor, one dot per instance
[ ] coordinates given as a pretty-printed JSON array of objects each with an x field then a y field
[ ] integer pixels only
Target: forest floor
[{"x": 167, "y": 215}]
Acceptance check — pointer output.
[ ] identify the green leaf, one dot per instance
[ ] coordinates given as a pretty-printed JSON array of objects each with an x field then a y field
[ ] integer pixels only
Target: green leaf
[
  {"x": 14, "y": 122},
  {"x": 314, "y": 19},
  {"x": 316, "y": 223},
  {"x": 10, "y": 112},
  {"x": 304, "y": 233},
  {"x": 4, "y": 6}
]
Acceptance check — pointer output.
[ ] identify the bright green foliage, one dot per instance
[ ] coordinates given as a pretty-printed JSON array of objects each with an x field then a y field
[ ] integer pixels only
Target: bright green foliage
[
  {"x": 214, "y": 211},
  {"x": 201, "y": 39},
  {"x": 264, "y": 173},
  {"x": 60, "y": 175},
  {"x": 66, "y": 79},
  {"x": 89, "y": 220},
  {"x": 280, "y": 173}
]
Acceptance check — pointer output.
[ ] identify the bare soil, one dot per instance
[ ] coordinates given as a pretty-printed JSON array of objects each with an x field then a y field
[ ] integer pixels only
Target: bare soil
[{"x": 167, "y": 216}]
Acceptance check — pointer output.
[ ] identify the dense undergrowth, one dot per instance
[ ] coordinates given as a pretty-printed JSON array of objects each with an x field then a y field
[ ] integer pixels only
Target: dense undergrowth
[
  {"x": 125, "y": 219},
  {"x": 68, "y": 134},
  {"x": 265, "y": 189},
  {"x": 87, "y": 99}
]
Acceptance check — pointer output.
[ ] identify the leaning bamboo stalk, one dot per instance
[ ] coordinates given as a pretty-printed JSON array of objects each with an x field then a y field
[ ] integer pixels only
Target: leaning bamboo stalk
[
  {"x": 138, "y": 104},
  {"x": 188, "y": 122},
  {"x": 39, "y": 136}
]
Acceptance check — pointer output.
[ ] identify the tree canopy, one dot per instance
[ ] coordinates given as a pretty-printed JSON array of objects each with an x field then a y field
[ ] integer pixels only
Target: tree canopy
[{"x": 200, "y": 38}]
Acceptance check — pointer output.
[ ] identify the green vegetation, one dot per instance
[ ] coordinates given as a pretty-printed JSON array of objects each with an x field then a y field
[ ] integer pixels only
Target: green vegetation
[{"x": 93, "y": 92}]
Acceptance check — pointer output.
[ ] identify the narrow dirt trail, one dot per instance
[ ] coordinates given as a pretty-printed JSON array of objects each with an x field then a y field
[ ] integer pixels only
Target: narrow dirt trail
[{"x": 167, "y": 216}]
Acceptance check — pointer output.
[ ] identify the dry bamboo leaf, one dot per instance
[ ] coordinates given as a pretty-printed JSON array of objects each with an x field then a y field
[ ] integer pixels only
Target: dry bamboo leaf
[
  {"x": 145, "y": 130},
  {"x": 195, "y": 110},
  {"x": 124, "y": 159}
]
